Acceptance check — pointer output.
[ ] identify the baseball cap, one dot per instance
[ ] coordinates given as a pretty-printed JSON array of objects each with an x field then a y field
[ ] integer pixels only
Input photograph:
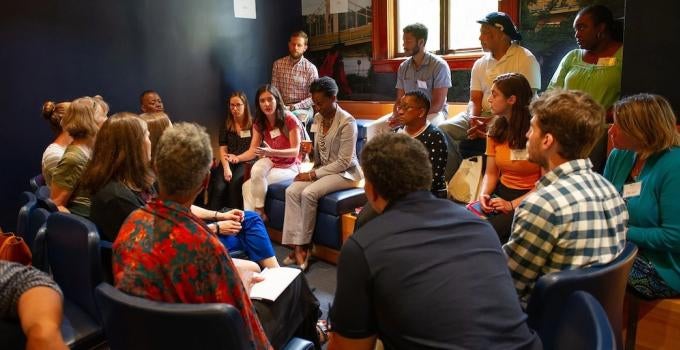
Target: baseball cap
[{"x": 503, "y": 22}]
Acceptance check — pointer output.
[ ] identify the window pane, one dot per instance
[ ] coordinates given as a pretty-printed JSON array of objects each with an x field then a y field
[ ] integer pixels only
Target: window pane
[
  {"x": 463, "y": 26},
  {"x": 422, "y": 11}
]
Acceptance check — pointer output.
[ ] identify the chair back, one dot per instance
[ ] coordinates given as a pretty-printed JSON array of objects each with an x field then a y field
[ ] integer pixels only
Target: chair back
[
  {"x": 583, "y": 325},
  {"x": 37, "y": 219},
  {"x": 29, "y": 203},
  {"x": 36, "y": 182},
  {"x": 72, "y": 245},
  {"x": 607, "y": 283},
  {"x": 44, "y": 200},
  {"x": 136, "y": 323}
]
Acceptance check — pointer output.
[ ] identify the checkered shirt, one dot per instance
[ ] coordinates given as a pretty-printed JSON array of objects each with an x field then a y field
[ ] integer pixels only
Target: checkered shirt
[
  {"x": 575, "y": 218},
  {"x": 293, "y": 79}
]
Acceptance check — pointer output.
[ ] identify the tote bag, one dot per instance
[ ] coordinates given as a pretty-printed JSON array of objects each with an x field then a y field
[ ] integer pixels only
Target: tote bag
[{"x": 466, "y": 182}]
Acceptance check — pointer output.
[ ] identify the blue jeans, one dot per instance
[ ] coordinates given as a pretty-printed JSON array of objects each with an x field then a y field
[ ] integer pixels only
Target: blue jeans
[{"x": 253, "y": 238}]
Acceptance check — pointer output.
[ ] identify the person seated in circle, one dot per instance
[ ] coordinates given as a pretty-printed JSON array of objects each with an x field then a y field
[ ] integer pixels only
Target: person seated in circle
[
  {"x": 644, "y": 167},
  {"x": 227, "y": 178},
  {"x": 120, "y": 180},
  {"x": 276, "y": 140},
  {"x": 336, "y": 167},
  {"x": 509, "y": 176}
]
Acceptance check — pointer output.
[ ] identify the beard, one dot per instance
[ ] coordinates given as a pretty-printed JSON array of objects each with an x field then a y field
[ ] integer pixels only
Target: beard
[{"x": 295, "y": 55}]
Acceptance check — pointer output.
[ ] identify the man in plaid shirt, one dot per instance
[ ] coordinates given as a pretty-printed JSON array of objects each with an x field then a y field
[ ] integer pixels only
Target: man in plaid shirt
[
  {"x": 574, "y": 218},
  {"x": 292, "y": 75}
]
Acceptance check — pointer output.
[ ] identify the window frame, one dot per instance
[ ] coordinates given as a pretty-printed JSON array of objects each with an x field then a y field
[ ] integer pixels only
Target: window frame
[{"x": 384, "y": 57}]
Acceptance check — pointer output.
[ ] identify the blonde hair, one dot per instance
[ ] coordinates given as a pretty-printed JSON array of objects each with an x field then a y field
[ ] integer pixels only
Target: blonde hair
[
  {"x": 80, "y": 120},
  {"x": 649, "y": 120}
]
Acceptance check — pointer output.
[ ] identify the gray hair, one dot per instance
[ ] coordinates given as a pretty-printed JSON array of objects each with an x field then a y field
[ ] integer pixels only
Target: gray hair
[{"x": 183, "y": 158}]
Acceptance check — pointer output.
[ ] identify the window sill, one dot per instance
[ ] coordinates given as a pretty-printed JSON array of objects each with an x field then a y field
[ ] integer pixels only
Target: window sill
[{"x": 463, "y": 61}]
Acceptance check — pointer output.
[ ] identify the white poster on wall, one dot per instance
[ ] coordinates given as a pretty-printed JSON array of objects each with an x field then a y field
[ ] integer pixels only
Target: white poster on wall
[
  {"x": 244, "y": 9},
  {"x": 339, "y": 6}
]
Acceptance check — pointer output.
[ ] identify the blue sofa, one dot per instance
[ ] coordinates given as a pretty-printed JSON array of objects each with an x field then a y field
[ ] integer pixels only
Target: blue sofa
[{"x": 330, "y": 209}]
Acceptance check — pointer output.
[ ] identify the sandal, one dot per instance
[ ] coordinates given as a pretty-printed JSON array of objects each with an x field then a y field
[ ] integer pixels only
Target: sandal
[
  {"x": 290, "y": 259},
  {"x": 322, "y": 330}
]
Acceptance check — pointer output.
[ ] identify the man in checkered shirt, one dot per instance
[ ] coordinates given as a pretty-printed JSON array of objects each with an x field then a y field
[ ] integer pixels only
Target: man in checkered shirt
[
  {"x": 292, "y": 75},
  {"x": 574, "y": 218}
]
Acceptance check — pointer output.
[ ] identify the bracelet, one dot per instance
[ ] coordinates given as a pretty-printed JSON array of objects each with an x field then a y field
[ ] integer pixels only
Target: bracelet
[
  {"x": 217, "y": 228},
  {"x": 215, "y": 216},
  {"x": 512, "y": 207}
]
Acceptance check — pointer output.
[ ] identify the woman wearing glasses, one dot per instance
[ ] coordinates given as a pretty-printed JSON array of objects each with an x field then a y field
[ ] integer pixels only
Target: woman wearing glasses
[
  {"x": 227, "y": 179},
  {"x": 336, "y": 167}
]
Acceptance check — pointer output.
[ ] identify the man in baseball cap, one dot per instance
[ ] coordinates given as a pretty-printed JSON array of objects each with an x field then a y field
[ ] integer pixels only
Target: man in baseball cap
[{"x": 498, "y": 38}]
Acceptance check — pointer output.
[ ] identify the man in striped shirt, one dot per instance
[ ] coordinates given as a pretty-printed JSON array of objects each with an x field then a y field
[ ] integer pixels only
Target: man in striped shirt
[
  {"x": 292, "y": 75},
  {"x": 575, "y": 218}
]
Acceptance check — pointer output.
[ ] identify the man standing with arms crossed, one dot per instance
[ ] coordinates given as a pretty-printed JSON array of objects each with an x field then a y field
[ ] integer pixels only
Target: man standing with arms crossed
[{"x": 292, "y": 75}]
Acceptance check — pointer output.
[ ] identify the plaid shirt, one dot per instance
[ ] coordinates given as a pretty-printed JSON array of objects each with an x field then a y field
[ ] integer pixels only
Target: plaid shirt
[
  {"x": 293, "y": 79},
  {"x": 574, "y": 219}
]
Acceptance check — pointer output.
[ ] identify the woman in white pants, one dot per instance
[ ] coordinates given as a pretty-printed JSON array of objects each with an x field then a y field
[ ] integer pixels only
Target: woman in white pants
[
  {"x": 335, "y": 168},
  {"x": 280, "y": 132}
]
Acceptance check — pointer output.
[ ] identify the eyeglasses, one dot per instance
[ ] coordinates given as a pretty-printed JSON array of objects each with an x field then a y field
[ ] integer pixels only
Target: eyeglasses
[{"x": 239, "y": 105}]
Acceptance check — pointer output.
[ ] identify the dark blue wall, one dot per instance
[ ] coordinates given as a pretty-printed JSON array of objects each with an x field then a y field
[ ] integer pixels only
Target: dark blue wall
[{"x": 195, "y": 53}]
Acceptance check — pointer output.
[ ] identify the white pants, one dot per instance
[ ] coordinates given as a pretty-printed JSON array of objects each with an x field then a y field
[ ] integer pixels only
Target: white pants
[
  {"x": 381, "y": 126},
  {"x": 262, "y": 174},
  {"x": 302, "y": 198}
]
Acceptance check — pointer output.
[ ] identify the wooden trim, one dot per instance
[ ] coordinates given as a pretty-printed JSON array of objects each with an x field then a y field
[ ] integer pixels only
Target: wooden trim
[{"x": 383, "y": 38}]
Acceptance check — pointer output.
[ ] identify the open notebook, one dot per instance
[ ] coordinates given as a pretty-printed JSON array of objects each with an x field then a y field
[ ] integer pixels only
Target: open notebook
[{"x": 275, "y": 282}]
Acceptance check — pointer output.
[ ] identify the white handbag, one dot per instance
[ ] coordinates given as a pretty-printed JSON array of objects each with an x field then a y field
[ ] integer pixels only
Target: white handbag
[{"x": 466, "y": 182}]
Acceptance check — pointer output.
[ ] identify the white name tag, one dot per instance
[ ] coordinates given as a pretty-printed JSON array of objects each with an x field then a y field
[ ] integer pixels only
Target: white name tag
[
  {"x": 244, "y": 133},
  {"x": 606, "y": 61},
  {"x": 422, "y": 84},
  {"x": 519, "y": 154},
  {"x": 314, "y": 128},
  {"x": 275, "y": 133},
  {"x": 632, "y": 190}
]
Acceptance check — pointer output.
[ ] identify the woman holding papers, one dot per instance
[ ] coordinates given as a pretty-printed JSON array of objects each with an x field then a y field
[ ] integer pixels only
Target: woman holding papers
[{"x": 280, "y": 132}]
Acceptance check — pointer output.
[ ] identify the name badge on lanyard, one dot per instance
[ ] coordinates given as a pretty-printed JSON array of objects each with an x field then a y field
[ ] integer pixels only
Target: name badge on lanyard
[
  {"x": 632, "y": 190},
  {"x": 275, "y": 133},
  {"x": 244, "y": 134},
  {"x": 519, "y": 154},
  {"x": 422, "y": 84}
]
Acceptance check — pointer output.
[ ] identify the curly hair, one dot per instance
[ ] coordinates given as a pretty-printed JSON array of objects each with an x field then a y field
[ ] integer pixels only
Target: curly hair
[
  {"x": 183, "y": 158},
  {"x": 573, "y": 118},
  {"x": 326, "y": 85},
  {"x": 396, "y": 165},
  {"x": 119, "y": 154}
]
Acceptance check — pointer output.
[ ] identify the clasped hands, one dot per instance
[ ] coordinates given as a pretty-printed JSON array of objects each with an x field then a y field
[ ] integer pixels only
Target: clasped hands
[
  {"x": 229, "y": 222},
  {"x": 495, "y": 204}
]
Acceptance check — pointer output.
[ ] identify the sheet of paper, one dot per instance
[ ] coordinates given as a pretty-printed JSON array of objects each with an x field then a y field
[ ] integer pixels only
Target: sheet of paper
[
  {"x": 339, "y": 6},
  {"x": 244, "y": 9},
  {"x": 275, "y": 282}
]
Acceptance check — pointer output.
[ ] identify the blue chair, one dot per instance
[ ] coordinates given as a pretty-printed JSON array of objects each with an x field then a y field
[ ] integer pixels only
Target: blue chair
[
  {"x": 607, "y": 283},
  {"x": 30, "y": 202},
  {"x": 71, "y": 246},
  {"x": 136, "y": 323},
  {"x": 44, "y": 200},
  {"x": 36, "y": 182},
  {"x": 582, "y": 325}
]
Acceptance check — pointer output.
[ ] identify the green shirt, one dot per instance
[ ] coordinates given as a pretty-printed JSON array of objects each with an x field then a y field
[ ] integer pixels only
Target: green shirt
[
  {"x": 67, "y": 176},
  {"x": 602, "y": 81}
]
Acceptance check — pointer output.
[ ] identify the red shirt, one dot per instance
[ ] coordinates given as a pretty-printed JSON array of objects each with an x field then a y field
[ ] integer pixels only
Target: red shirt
[
  {"x": 165, "y": 253},
  {"x": 281, "y": 140}
]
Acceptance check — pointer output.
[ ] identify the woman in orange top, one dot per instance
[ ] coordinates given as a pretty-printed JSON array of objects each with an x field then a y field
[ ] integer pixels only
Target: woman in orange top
[{"x": 509, "y": 176}]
